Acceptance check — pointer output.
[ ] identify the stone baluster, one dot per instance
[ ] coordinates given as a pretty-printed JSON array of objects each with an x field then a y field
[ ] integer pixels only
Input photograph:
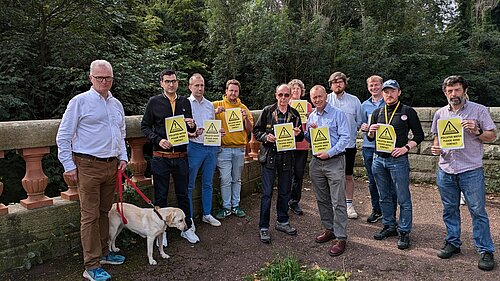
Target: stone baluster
[
  {"x": 137, "y": 162},
  {"x": 35, "y": 181},
  {"x": 3, "y": 209},
  {"x": 254, "y": 148},
  {"x": 72, "y": 193}
]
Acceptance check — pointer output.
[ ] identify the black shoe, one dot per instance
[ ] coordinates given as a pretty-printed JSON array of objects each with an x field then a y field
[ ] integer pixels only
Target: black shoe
[
  {"x": 286, "y": 228},
  {"x": 265, "y": 237},
  {"x": 486, "y": 261},
  {"x": 374, "y": 217},
  {"x": 386, "y": 232},
  {"x": 447, "y": 251},
  {"x": 296, "y": 209},
  {"x": 404, "y": 240}
]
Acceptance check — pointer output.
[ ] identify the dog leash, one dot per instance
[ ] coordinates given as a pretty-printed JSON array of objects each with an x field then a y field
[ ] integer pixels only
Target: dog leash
[{"x": 119, "y": 188}]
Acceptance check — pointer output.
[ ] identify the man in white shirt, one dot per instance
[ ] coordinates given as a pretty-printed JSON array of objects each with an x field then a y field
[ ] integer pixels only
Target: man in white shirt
[
  {"x": 91, "y": 144},
  {"x": 201, "y": 156}
]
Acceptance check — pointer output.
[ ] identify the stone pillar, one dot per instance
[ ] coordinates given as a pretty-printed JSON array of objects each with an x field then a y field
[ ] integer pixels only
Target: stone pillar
[
  {"x": 3, "y": 209},
  {"x": 254, "y": 148},
  {"x": 72, "y": 193},
  {"x": 35, "y": 181},
  {"x": 137, "y": 162}
]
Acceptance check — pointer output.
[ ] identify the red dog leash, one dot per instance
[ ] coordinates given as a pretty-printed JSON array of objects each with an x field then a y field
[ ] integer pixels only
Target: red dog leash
[{"x": 119, "y": 188}]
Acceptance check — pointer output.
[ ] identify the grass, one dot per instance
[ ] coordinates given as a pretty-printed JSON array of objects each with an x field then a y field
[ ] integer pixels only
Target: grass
[{"x": 290, "y": 269}]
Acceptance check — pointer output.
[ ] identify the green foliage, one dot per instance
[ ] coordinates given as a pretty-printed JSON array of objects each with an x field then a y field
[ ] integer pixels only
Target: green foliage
[{"x": 289, "y": 268}]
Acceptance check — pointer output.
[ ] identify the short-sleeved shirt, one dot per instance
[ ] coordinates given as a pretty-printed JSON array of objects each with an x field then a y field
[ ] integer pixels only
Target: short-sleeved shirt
[
  {"x": 470, "y": 157},
  {"x": 351, "y": 106}
]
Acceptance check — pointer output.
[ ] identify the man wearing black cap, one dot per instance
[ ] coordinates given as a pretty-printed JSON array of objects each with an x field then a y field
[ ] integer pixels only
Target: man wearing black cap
[{"x": 392, "y": 170}]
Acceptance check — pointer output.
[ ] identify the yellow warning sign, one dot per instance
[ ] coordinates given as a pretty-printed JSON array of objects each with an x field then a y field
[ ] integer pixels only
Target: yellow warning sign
[
  {"x": 301, "y": 107},
  {"x": 386, "y": 135},
  {"x": 211, "y": 134},
  {"x": 385, "y": 138},
  {"x": 450, "y": 133},
  {"x": 234, "y": 119},
  {"x": 176, "y": 130},
  {"x": 285, "y": 137},
  {"x": 320, "y": 140},
  {"x": 176, "y": 127}
]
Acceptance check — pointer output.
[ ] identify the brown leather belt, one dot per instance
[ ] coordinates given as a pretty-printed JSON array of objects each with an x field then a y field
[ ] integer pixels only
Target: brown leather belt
[
  {"x": 169, "y": 154},
  {"x": 88, "y": 156}
]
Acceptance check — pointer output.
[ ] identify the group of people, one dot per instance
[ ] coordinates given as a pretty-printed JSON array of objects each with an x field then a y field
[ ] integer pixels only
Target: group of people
[{"x": 91, "y": 143}]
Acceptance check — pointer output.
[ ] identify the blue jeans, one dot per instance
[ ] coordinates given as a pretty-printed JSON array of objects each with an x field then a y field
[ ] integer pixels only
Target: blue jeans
[
  {"x": 204, "y": 157},
  {"x": 230, "y": 162},
  {"x": 393, "y": 174},
  {"x": 284, "y": 188},
  {"x": 471, "y": 183},
  {"x": 162, "y": 168},
  {"x": 372, "y": 186}
]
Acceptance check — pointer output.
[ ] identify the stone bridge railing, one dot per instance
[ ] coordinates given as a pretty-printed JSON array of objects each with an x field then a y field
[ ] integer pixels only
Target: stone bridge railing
[{"x": 39, "y": 227}]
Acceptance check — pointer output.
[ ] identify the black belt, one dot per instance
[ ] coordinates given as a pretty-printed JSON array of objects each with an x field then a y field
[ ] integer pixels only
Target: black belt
[
  {"x": 387, "y": 155},
  {"x": 333, "y": 157},
  {"x": 82, "y": 155}
]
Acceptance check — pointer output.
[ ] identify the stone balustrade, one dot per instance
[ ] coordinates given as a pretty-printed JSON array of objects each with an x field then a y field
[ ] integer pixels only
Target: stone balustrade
[{"x": 50, "y": 226}]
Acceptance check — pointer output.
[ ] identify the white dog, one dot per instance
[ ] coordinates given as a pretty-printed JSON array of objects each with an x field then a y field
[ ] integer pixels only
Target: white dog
[{"x": 146, "y": 223}]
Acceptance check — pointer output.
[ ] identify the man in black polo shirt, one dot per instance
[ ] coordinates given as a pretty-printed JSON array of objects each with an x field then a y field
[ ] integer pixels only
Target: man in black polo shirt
[
  {"x": 392, "y": 170},
  {"x": 168, "y": 159}
]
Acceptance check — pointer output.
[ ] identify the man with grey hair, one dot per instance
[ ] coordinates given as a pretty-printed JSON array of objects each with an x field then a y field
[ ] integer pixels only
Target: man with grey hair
[
  {"x": 327, "y": 170},
  {"x": 351, "y": 106},
  {"x": 276, "y": 162},
  {"x": 461, "y": 170},
  {"x": 91, "y": 147}
]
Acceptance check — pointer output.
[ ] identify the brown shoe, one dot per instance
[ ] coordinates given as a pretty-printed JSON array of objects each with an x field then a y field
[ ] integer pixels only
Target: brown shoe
[
  {"x": 326, "y": 236},
  {"x": 338, "y": 248}
]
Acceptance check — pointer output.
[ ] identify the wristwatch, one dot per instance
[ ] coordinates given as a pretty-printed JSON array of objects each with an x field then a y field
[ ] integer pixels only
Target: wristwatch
[
  {"x": 407, "y": 147},
  {"x": 480, "y": 132}
]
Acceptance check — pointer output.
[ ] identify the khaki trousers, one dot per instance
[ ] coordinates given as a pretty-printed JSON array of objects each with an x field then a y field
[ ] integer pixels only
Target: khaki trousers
[{"x": 96, "y": 187}]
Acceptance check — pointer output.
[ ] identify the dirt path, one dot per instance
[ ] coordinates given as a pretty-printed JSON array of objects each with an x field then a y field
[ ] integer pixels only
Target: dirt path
[{"x": 233, "y": 250}]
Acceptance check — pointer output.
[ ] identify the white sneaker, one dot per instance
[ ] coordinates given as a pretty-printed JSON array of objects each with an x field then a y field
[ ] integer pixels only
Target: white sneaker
[
  {"x": 211, "y": 220},
  {"x": 351, "y": 213},
  {"x": 462, "y": 199},
  {"x": 165, "y": 241},
  {"x": 190, "y": 236}
]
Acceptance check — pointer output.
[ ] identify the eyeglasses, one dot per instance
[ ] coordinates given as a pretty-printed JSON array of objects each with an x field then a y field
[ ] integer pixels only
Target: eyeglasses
[
  {"x": 287, "y": 95},
  {"x": 170, "y": 81},
  {"x": 102, "y": 78},
  {"x": 338, "y": 81}
]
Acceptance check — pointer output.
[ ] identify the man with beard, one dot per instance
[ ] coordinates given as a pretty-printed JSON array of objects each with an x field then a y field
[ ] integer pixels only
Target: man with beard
[
  {"x": 461, "y": 170},
  {"x": 392, "y": 170},
  {"x": 351, "y": 106}
]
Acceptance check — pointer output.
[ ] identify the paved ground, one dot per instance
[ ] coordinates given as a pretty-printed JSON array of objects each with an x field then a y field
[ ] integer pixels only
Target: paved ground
[{"x": 233, "y": 251}]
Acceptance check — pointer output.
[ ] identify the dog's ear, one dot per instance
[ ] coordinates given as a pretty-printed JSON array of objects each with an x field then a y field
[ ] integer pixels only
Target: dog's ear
[{"x": 169, "y": 218}]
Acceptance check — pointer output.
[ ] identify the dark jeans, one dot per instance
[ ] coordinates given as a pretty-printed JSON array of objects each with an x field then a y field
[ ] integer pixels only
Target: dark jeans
[
  {"x": 284, "y": 187},
  {"x": 299, "y": 165},
  {"x": 162, "y": 168},
  {"x": 372, "y": 185}
]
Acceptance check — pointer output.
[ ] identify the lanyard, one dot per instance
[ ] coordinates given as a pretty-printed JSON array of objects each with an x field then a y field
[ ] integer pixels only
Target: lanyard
[{"x": 392, "y": 115}]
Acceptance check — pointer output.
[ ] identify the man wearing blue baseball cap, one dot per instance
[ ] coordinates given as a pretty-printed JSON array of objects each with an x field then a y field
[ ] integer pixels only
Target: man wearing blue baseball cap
[{"x": 392, "y": 169}]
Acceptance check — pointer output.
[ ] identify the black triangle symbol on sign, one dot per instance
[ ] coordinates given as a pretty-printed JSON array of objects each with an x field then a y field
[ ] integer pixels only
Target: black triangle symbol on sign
[
  {"x": 449, "y": 129},
  {"x": 212, "y": 129},
  {"x": 175, "y": 127},
  {"x": 386, "y": 135},
  {"x": 233, "y": 116},
  {"x": 284, "y": 133},
  {"x": 320, "y": 136},
  {"x": 299, "y": 108}
]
